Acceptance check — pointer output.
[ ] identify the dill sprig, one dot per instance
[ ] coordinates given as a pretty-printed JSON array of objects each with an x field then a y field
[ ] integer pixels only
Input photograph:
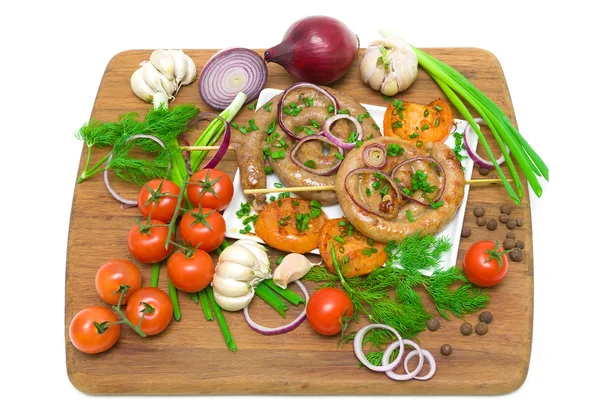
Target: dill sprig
[{"x": 387, "y": 295}]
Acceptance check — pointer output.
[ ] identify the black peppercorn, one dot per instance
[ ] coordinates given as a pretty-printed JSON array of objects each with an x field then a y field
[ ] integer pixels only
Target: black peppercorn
[
  {"x": 492, "y": 224},
  {"x": 466, "y": 329},
  {"x": 505, "y": 209},
  {"x": 484, "y": 171},
  {"x": 516, "y": 254},
  {"x": 479, "y": 211},
  {"x": 446, "y": 349},
  {"x": 520, "y": 222},
  {"x": 520, "y": 244},
  {"x": 486, "y": 317},
  {"x": 510, "y": 235},
  {"x": 503, "y": 218},
  {"x": 508, "y": 244},
  {"x": 433, "y": 324},
  {"x": 466, "y": 231},
  {"x": 481, "y": 221},
  {"x": 511, "y": 223},
  {"x": 481, "y": 328}
]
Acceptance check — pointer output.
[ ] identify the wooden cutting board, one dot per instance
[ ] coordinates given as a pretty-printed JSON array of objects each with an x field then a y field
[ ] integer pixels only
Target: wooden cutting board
[{"x": 190, "y": 357}]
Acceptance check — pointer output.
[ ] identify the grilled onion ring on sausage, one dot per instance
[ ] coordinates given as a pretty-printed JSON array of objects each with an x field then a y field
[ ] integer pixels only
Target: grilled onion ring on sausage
[{"x": 427, "y": 220}]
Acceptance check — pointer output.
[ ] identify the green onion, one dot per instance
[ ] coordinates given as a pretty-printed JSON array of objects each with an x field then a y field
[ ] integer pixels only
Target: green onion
[
  {"x": 268, "y": 106},
  {"x": 279, "y": 260},
  {"x": 330, "y": 109},
  {"x": 155, "y": 274},
  {"x": 310, "y": 164},
  {"x": 410, "y": 216},
  {"x": 221, "y": 319},
  {"x": 339, "y": 156},
  {"x": 272, "y": 299},
  {"x": 438, "y": 107},
  {"x": 174, "y": 300},
  {"x": 397, "y": 124},
  {"x": 425, "y": 127},
  {"x": 426, "y": 113},
  {"x": 205, "y": 305},
  {"x": 308, "y": 101},
  {"x": 286, "y": 293},
  {"x": 342, "y": 223},
  {"x": 339, "y": 240},
  {"x": 268, "y": 170},
  {"x": 436, "y": 123}
]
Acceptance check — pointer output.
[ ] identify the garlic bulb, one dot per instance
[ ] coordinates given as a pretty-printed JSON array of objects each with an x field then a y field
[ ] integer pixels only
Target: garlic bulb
[
  {"x": 164, "y": 74},
  {"x": 294, "y": 266},
  {"x": 239, "y": 269},
  {"x": 389, "y": 65}
]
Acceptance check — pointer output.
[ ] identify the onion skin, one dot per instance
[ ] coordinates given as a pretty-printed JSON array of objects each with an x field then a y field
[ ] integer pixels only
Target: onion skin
[{"x": 316, "y": 49}]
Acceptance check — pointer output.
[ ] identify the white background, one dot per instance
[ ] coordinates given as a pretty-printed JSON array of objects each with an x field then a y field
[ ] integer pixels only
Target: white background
[{"x": 53, "y": 57}]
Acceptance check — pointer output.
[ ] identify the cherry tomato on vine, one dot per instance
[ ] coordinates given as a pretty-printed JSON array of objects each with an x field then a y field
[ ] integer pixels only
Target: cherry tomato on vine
[
  {"x": 91, "y": 331},
  {"x": 147, "y": 242},
  {"x": 485, "y": 264},
  {"x": 210, "y": 188},
  {"x": 327, "y": 310},
  {"x": 191, "y": 271},
  {"x": 158, "y": 199},
  {"x": 203, "y": 228},
  {"x": 112, "y": 275},
  {"x": 156, "y": 307}
]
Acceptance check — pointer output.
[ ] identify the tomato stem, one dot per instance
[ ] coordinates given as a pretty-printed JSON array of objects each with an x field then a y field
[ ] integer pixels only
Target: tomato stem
[
  {"x": 176, "y": 213},
  {"x": 496, "y": 254},
  {"x": 124, "y": 319}
]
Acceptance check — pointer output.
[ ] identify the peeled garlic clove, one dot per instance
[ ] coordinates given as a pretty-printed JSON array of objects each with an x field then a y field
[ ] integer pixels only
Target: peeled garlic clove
[
  {"x": 190, "y": 74},
  {"x": 236, "y": 271},
  {"x": 180, "y": 65},
  {"x": 163, "y": 62},
  {"x": 233, "y": 303},
  {"x": 153, "y": 77},
  {"x": 294, "y": 266},
  {"x": 140, "y": 87},
  {"x": 230, "y": 287},
  {"x": 239, "y": 254}
]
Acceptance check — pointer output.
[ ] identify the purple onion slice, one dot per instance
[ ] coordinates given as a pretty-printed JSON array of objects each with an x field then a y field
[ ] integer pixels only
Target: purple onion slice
[
  {"x": 322, "y": 172},
  {"x": 429, "y": 160}
]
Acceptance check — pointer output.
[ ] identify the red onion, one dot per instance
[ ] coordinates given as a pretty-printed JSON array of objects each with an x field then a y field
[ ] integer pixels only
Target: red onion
[
  {"x": 375, "y": 156},
  {"x": 316, "y": 49},
  {"x": 362, "y": 205},
  {"x": 229, "y": 72},
  {"x": 358, "y": 338},
  {"x": 471, "y": 151},
  {"x": 282, "y": 329},
  {"x": 287, "y": 91},
  {"x": 218, "y": 156},
  {"x": 125, "y": 201},
  {"x": 428, "y": 357},
  {"x": 341, "y": 143},
  {"x": 386, "y": 360},
  {"x": 322, "y": 172},
  {"x": 442, "y": 179}
]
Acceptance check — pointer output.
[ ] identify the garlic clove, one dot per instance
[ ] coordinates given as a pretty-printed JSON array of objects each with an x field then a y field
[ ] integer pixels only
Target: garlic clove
[
  {"x": 168, "y": 86},
  {"x": 190, "y": 74},
  {"x": 369, "y": 63},
  {"x": 229, "y": 286},
  {"x": 153, "y": 77},
  {"x": 236, "y": 271},
  {"x": 180, "y": 65},
  {"x": 239, "y": 254},
  {"x": 389, "y": 87},
  {"x": 261, "y": 256},
  {"x": 233, "y": 303},
  {"x": 294, "y": 266},
  {"x": 140, "y": 87},
  {"x": 163, "y": 62},
  {"x": 377, "y": 78}
]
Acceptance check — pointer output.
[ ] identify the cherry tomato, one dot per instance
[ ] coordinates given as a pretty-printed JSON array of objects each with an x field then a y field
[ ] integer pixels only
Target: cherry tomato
[
  {"x": 112, "y": 275},
  {"x": 147, "y": 242},
  {"x": 210, "y": 188},
  {"x": 158, "y": 199},
  {"x": 203, "y": 229},
  {"x": 90, "y": 330},
  {"x": 156, "y": 307},
  {"x": 485, "y": 264},
  {"x": 326, "y": 308},
  {"x": 191, "y": 273}
]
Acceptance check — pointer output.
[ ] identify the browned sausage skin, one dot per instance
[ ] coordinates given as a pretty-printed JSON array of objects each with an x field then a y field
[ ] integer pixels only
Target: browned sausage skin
[{"x": 426, "y": 219}]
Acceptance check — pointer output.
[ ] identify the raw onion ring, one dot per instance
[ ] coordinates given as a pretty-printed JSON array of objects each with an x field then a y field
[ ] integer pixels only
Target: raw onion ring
[
  {"x": 386, "y": 360},
  {"x": 442, "y": 179},
  {"x": 430, "y": 359},
  {"x": 340, "y": 143},
  {"x": 394, "y": 187},
  {"x": 280, "y": 105},
  {"x": 125, "y": 201},
  {"x": 472, "y": 152},
  {"x": 358, "y": 338},
  {"x": 230, "y": 71},
  {"x": 223, "y": 147},
  {"x": 379, "y": 160},
  {"x": 281, "y": 329},
  {"x": 324, "y": 172}
]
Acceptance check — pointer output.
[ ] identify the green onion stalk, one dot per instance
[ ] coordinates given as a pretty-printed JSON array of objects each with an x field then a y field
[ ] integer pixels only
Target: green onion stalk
[{"x": 511, "y": 142}]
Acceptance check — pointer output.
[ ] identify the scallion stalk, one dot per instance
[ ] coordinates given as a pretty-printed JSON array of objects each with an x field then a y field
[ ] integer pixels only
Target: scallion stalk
[
  {"x": 155, "y": 274},
  {"x": 174, "y": 300},
  {"x": 205, "y": 304},
  {"x": 288, "y": 294},
  {"x": 221, "y": 319},
  {"x": 269, "y": 296}
]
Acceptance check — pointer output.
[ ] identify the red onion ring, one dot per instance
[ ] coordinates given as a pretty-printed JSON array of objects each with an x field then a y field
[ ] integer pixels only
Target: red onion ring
[
  {"x": 280, "y": 105},
  {"x": 281, "y": 329},
  {"x": 358, "y": 338},
  {"x": 230, "y": 71},
  {"x": 371, "y": 162},
  {"x": 442, "y": 179},
  {"x": 430, "y": 359},
  {"x": 125, "y": 201},
  {"x": 386, "y": 360},
  {"x": 471, "y": 151},
  {"x": 223, "y": 147},
  {"x": 340, "y": 143},
  {"x": 362, "y": 206},
  {"x": 324, "y": 172}
]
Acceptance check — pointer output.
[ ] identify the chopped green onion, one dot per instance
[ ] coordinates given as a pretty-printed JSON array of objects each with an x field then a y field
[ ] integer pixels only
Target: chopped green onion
[
  {"x": 339, "y": 240},
  {"x": 410, "y": 216},
  {"x": 436, "y": 123},
  {"x": 426, "y": 113},
  {"x": 310, "y": 164},
  {"x": 339, "y": 156},
  {"x": 268, "y": 170},
  {"x": 397, "y": 124},
  {"x": 308, "y": 101},
  {"x": 425, "y": 127},
  {"x": 438, "y": 107}
]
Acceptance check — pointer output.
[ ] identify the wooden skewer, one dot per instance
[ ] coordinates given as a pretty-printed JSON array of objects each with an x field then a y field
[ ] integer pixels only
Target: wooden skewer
[
  {"x": 201, "y": 148},
  {"x": 331, "y": 188}
]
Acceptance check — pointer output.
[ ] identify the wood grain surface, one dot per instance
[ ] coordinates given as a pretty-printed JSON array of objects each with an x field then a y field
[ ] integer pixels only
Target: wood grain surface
[{"x": 190, "y": 357}]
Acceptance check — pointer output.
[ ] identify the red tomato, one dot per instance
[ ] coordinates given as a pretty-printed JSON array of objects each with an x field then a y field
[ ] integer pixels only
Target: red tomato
[
  {"x": 191, "y": 273},
  {"x": 90, "y": 331},
  {"x": 326, "y": 308},
  {"x": 210, "y": 188},
  {"x": 155, "y": 305},
  {"x": 158, "y": 199},
  {"x": 147, "y": 243},
  {"x": 203, "y": 229},
  {"x": 485, "y": 264},
  {"x": 112, "y": 275}
]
